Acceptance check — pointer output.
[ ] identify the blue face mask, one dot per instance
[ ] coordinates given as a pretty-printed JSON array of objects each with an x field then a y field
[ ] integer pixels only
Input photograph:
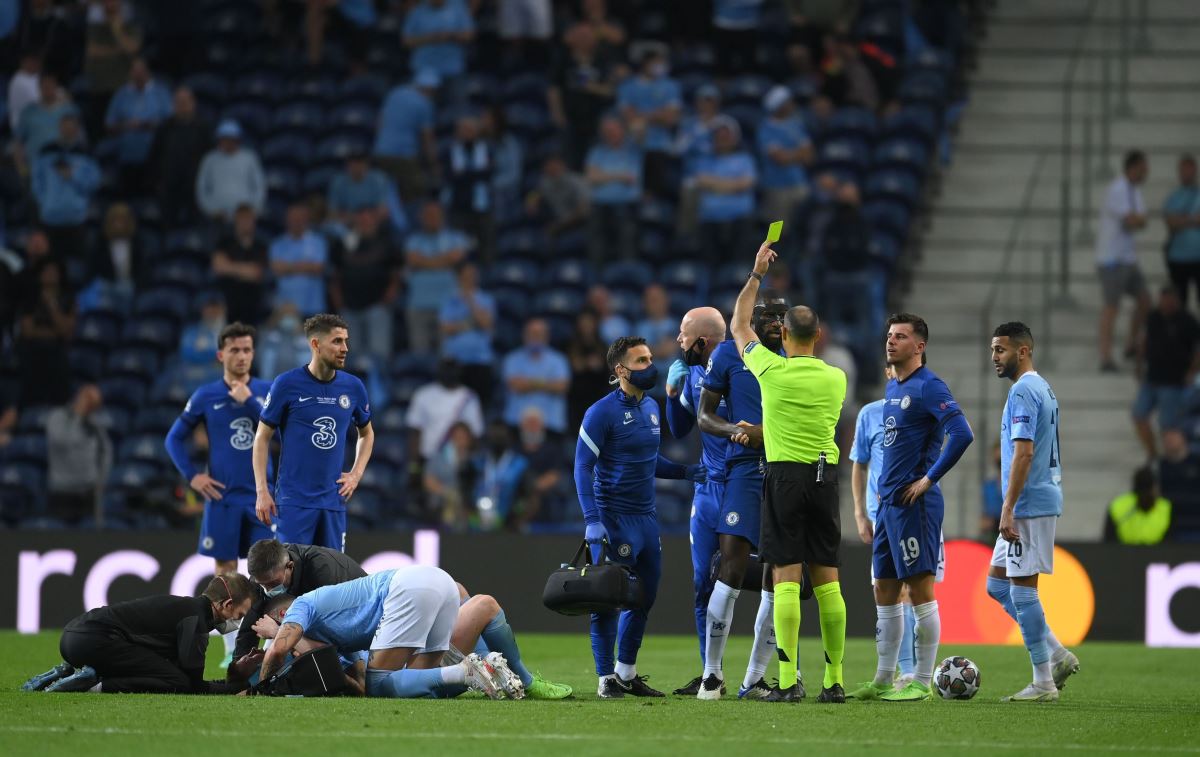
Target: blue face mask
[
  {"x": 275, "y": 591},
  {"x": 644, "y": 379}
]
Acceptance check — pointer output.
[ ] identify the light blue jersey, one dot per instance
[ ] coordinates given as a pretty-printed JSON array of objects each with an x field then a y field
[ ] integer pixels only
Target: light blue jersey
[
  {"x": 867, "y": 449},
  {"x": 345, "y": 615},
  {"x": 1031, "y": 412}
]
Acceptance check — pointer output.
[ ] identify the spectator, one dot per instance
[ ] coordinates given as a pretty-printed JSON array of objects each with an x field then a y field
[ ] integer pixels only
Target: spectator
[
  {"x": 612, "y": 324},
  {"x": 78, "y": 456},
  {"x": 57, "y": 34},
  {"x": 614, "y": 172},
  {"x": 64, "y": 179},
  {"x": 24, "y": 87},
  {"x": 134, "y": 114},
  {"x": 543, "y": 474},
  {"x": 282, "y": 345},
  {"x": 366, "y": 283},
  {"x": 438, "y": 33},
  {"x": 656, "y": 325},
  {"x": 1182, "y": 214},
  {"x": 450, "y": 477},
  {"x": 581, "y": 91},
  {"x": 560, "y": 201},
  {"x": 298, "y": 260},
  {"x": 200, "y": 340},
  {"x": 239, "y": 264},
  {"x": 117, "y": 256},
  {"x": 230, "y": 175},
  {"x": 842, "y": 233},
  {"x": 526, "y": 27},
  {"x": 404, "y": 145},
  {"x": 38, "y": 124},
  {"x": 359, "y": 187},
  {"x": 179, "y": 146},
  {"x": 44, "y": 331},
  {"x": 847, "y": 80},
  {"x": 830, "y": 349},
  {"x": 1141, "y": 517},
  {"x": 351, "y": 21},
  {"x": 509, "y": 163},
  {"x": 651, "y": 103},
  {"x": 608, "y": 33},
  {"x": 589, "y": 374},
  {"x": 785, "y": 150},
  {"x": 726, "y": 182},
  {"x": 1168, "y": 359},
  {"x": 538, "y": 376},
  {"x": 694, "y": 145},
  {"x": 431, "y": 254},
  {"x": 1123, "y": 213},
  {"x": 113, "y": 41},
  {"x": 435, "y": 408},
  {"x": 8, "y": 419},
  {"x": 468, "y": 165},
  {"x": 735, "y": 34},
  {"x": 993, "y": 500},
  {"x": 503, "y": 478},
  {"x": 467, "y": 319}
]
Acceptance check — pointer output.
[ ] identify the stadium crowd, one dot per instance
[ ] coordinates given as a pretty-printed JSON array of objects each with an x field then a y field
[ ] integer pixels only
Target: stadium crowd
[{"x": 488, "y": 192}]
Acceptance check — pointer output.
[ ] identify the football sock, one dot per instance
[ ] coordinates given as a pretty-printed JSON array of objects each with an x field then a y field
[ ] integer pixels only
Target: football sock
[
  {"x": 631, "y": 627},
  {"x": 498, "y": 635},
  {"x": 1032, "y": 620},
  {"x": 604, "y": 638},
  {"x": 787, "y": 629},
  {"x": 908, "y": 641},
  {"x": 701, "y": 624},
  {"x": 1055, "y": 646},
  {"x": 929, "y": 633},
  {"x": 410, "y": 684},
  {"x": 719, "y": 616},
  {"x": 889, "y": 631},
  {"x": 626, "y": 672},
  {"x": 833, "y": 629},
  {"x": 998, "y": 589},
  {"x": 764, "y": 641}
]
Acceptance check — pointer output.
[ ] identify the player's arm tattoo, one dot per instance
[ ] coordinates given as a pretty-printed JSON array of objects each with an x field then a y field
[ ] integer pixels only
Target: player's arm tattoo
[
  {"x": 288, "y": 637},
  {"x": 710, "y": 422}
]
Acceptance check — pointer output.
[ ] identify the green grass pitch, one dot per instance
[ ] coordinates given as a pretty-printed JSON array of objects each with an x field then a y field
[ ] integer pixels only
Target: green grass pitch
[{"x": 1126, "y": 699}]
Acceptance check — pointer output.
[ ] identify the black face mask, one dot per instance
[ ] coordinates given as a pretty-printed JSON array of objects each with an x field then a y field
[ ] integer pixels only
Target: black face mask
[{"x": 694, "y": 355}]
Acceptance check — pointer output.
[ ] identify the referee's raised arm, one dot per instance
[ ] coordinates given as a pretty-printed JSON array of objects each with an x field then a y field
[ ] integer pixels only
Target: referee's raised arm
[{"x": 743, "y": 309}]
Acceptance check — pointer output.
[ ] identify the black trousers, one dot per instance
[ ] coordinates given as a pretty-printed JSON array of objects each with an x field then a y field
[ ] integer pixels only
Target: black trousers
[
  {"x": 1184, "y": 275},
  {"x": 124, "y": 667}
]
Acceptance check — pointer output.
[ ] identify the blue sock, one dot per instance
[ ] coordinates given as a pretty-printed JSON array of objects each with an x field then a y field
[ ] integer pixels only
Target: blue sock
[
  {"x": 701, "y": 620},
  {"x": 604, "y": 638},
  {"x": 631, "y": 629},
  {"x": 450, "y": 690},
  {"x": 404, "y": 684},
  {"x": 499, "y": 638},
  {"x": 908, "y": 642},
  {"x": 998, "y": 589},
  {"x": 1032, "y": 620},
  {"x": 481, "y": 647}
]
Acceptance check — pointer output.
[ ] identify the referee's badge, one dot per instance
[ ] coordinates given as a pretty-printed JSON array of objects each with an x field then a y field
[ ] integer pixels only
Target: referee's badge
[
  {"x": 904, "y": 403},
  {"x": 624, "y": 550},
  {"x": 344, "y": 402},
  {"x": 732, "y": 519}
]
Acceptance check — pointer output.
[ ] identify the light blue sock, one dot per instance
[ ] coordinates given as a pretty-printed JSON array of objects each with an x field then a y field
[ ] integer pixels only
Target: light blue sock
[
  {"x": 404, "y": 684},
  {"x": 908, "y": 642},
  {"x": 1032, "y": 619},
  {"x": 499, "y": 637},
  {"x": 998, "y": 589},
  {"x": 481, "y": 647}
]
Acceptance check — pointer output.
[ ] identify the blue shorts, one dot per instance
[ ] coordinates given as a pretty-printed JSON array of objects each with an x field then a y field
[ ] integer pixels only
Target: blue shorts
[
  {"x": 702, "y": 531},
  {"x": 1167, "y": 400},
  {"x": 741, "y": 510},
  {"x": 908, "y": 539},
  {"x": 634, "y": 541},
  {"x": 228, "y": 529},
  {"x": 311, "y": 525}
]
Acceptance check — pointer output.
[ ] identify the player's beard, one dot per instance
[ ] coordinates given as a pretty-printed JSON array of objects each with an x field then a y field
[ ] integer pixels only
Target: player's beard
[{"x": 1008, "y": 369}]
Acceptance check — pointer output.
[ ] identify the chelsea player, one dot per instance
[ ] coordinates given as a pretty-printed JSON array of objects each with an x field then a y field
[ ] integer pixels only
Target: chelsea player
[
  {"x": 918, "y": 413},
  {"x": 700, "y": 331},
  {"x": 1031, "y": 477},
  {"x": 313, "y": 407},
  {"x": 616, "y": 462}
]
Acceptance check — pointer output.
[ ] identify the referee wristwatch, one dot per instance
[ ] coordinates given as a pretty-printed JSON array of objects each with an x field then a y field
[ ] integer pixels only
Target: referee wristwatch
[{"x": 756, "y": 275}]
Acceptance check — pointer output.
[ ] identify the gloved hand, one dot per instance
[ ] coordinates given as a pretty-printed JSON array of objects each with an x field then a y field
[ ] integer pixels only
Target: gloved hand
[
  {"x": 696, "y": 474},
  {"x": 677, "y": 374},
  {"x": 594, "y": 533}
]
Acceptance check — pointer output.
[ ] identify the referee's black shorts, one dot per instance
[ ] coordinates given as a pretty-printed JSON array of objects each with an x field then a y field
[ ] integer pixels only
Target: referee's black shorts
[{"x": 801, "y": 519}]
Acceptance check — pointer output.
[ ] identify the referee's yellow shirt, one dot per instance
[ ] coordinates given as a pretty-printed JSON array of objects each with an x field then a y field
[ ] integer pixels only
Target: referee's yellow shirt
[{"x": 801, "y": 401}]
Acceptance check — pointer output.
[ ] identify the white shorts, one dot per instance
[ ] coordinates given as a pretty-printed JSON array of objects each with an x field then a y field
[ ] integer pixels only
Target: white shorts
[
  {"x": 518, "y": 19},
  {"x": 1032, "y": 553},
  {"x": 419, "y": 611},
  {"x": 940, "y": 574}
]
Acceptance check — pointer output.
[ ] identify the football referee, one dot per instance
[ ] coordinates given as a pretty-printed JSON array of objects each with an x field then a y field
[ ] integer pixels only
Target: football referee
[{"x": 801, "y": 401}]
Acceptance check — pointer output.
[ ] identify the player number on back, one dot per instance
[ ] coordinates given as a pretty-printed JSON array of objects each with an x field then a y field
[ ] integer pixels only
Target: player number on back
[
  {"x": 326, "y": 436},
  {"x": 911, "y": 549}
]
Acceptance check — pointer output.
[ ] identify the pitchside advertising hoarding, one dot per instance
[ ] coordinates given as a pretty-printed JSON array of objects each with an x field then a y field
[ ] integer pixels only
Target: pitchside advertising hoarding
[{"x": 1097, "y": 592}]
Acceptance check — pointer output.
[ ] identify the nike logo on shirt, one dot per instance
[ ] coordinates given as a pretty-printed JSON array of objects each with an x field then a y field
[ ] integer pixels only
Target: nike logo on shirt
[
  {"x": 305, "y": 399},
  {"x": 627, "y": 421},
  {"x": 219, "y": 405}
]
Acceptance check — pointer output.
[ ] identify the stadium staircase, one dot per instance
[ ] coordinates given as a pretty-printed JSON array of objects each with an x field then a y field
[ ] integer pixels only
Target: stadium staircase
[{"x": 994, "y": 249}]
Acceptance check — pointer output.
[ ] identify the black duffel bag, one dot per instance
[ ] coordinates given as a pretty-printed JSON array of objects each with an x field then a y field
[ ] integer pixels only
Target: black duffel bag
[
  {"x": 605, "y": 586},
  {"x": 316, "y": 673}
]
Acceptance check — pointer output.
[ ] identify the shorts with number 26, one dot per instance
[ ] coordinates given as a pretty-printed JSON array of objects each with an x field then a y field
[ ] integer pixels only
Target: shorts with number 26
[{"x": 907, "y": 539}]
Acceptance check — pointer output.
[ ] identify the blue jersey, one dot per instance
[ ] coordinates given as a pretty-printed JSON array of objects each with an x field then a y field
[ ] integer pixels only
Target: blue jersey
[
  {"x": 915, "y": 415},
  {"x": 713, "y": 449},
  {"x": 867, "y": 449},
  {"x": 617, "y": 458},
  {"x": 1031, "y": 412},
  {"x": 728, "y": 376},
  {"x": 345, "y": 615},
  {"x": 313, "y": 417},
  {"x": 230, "y": 429}
]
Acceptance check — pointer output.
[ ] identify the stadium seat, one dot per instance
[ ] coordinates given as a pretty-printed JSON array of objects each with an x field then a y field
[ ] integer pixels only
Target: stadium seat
[
  {"x": 154, "y": 420},
  {"x": 253, "y": 116},
  {"x": 514, "y": 274},
  {"x": 747, "y": 89},
  {"x": 87, "y": 361},
  {"x": 627, "y": 274},
  {"x": 887, "y": 215},
  {"x": 146, "y": 448},
  {"x": 392, "y": 420},
  {"x": 356, "y": 119},
  {"x": 850, "y": 121},
  {"x": 132, "y": 362},
  {"x": 527, "y": 88},
  {"x": 185, "y": 274},
  {"x": 561, "y": 301},
  {"x": 914, "y": 122},
  {"x": 317, "y": 90},
  {"x": 845, "y": 153},
  {"x": 364, "y": 509},
  {"x": 22, "y": 488},
  {"x": 97, "y": 329},
  {"x": 210, "y": 88},
  {"x": 333, "y": 151},
  {"x": 366, "y": 88},
  {"x": 884, "y": 249},
  {"x": 283, "y": 181},
  {"x": 392, "y": 447},
  {"x": 902, "y": 153},
  {"x": 132, "y": 477},
  {"x": 33, "y": 419},
  {"x": 191, "y": 242},
  {"x": 297, "y": 118},
  {"x": 117, "y": 418},
  {"x": 685, "y": 277},
  {"x": 165, "y": 302},
  {"x": 627, "y": 302},
  {"x": 923, "y": 87},
  {"x": 520, "y": 242},
  {"x": 26, "y": 448},
  {"x": 317, "y": 178},
  {"x": 569, "y": 272},
  {"x": 288, "y": 148},
  {"x": 407, "y": 365},
  {"x": 900, "y": 186},
  {"x": 154, "y": 332}
]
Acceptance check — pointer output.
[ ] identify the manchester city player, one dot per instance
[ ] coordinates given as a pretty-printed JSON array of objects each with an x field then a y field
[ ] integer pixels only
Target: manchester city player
[
  {"x": 1031, "y": 480},
  {"x": 313, "y": 407},
  {"x": 918, "y": 413},
  {"x": 700, "y": 331},
  {"x": 730, "y": 380},
  {"x": 616, "y": 462}
]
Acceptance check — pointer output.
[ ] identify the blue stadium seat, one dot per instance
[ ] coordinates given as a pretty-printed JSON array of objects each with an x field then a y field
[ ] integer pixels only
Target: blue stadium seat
[
  {"x": 333, "y": 151},
  {"x": 884, "y": 27},
  {"x": 392, "y": 421},
  {"x": 185, "y": 274},
  {"x": 914, "y": 122},
  {"x": 884, "y": 249},
  {"x": 627, "y": 302},
  {"x": 317, "y": 178},
  {"x": 357, "y": 119},
  {"x": 152, "y": 420},
  {"x": 527, "y": 88},
  {"x": 170, "y": 390},
  {"x": 392, "y": 447},
  {"x": 132, "y": 477},
  {"x": 42, "y": 523},
  {"x": 657, "y": 214},
  {"x": 520, "y": 242},
  {"x": 923, "y": 87},
  {"x": 747, "y": 89},
  {"x": 166, "y": 302},
  {"x": 287, "y": 148},
  {"x": 146, "y": 448},
  {"x": 403, "y": 390},
  {"x": 26, "y": 448},
  {"x": 406, "y": 364},
  {"x": 283, "y": 181},
  {"x": 377, "y": 478},
  {"x": 117, "y": 418},
  {"x": 887, "y": 215},
  {"x": 570, "y": 272},
  {"x": 512, "y": 303},
  {"x": 210, "y": 88},
  {"x": 627, "y": 274},
  {"x": 481, "y": 88},
  {"x": 562, "y": 301},
  {"x": 844, "y": 153},
  {"x": 685, "y": 276},
  {"x": 297, "y": 117},
  {"x": 22, "y": 488},
  {"x": 252, "y": 115},
  {"x": 235, "y": 22},
  {"x": 87, "y": 361},
  {"x": 320, "y": 90},
  {"x": 32, "y": 420},
  {"x": 896, "y": 185},
  {"x": 367, "y": 88},
  {"x": 99, "y": 329},
  {"x": 902, "y": 153},
  {"x": 930, "y": 59},
  {"x": 134, "y": 362},
  {"x": 850, "y": 121},
  {"x": 365, "y": 508},
  {"x": 516, "y": 273},
  {"x": 193, "y": 242},
  {"x": 154, "y": 332}
]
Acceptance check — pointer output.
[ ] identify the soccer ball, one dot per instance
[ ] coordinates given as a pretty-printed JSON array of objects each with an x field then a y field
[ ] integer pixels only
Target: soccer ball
[{"x": 957, "y": 678}]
